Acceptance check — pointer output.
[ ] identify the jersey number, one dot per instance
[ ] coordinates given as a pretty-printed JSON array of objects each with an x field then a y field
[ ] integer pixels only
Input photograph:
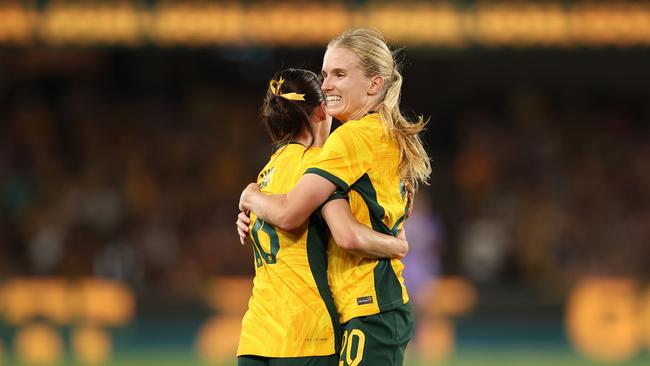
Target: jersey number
[
  {"x": 346, "y": 349},
  {"x": 260, "y": 253}
]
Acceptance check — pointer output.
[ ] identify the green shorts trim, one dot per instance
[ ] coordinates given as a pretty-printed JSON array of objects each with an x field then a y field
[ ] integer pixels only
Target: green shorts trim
[
  {"x": 379, "y": 339},
  {"x": 332, "y": 360}
]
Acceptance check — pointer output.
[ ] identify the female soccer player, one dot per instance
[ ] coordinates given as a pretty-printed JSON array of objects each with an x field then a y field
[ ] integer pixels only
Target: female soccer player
[
  {"x": 291, "y": 318},
  {"x": 370, "y": 156}
]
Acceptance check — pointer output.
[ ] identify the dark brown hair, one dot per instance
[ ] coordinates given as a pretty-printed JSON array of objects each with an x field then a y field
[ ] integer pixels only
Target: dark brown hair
[{"x": 283, "y": 118}]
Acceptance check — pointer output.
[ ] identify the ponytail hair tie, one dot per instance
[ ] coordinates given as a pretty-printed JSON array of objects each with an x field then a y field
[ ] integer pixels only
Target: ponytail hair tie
[{"x": 275, "y": 85}]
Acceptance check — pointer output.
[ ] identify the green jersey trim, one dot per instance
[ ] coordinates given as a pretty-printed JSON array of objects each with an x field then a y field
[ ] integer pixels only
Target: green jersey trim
[
  {"x": 329, "y": 176},
  {"x": 387, "y": 286},
  {"x": 317, "y": 239}
]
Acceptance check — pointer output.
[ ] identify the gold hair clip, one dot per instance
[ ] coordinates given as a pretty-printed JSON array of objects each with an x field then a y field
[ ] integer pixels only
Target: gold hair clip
[{"x": 275, "y": 85}]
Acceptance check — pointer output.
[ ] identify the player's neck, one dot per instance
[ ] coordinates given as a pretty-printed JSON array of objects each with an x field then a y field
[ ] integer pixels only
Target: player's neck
[
  {"x": 321, "y": 132},
  {"x": 303, "y": 138}
]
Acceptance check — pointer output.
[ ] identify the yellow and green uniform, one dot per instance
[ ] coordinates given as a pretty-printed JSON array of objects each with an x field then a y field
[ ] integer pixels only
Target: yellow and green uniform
[
  {"x": 359, "y": 159},
  {"x": 291, "y": 312}
]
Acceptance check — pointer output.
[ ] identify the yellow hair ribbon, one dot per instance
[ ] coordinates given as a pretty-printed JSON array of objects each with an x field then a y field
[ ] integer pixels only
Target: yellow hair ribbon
[
  {"x": 275, "y": 85},
  {"x": 293, "y": 96}
]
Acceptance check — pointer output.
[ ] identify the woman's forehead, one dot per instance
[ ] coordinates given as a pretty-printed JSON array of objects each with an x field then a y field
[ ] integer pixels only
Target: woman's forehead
[{"x": 340, "y": 58}]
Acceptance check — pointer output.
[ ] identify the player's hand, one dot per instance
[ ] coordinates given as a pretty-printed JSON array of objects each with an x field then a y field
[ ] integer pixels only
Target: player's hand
[
  {"x": 404, "y": 244},
  {"x": 243, "y": 221},
  {"x": 245, "y": 195},
  {"x": 410, "y": 194}
]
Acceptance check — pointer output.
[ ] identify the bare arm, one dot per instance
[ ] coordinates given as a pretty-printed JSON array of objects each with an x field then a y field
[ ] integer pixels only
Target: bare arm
[
  {"x": 289, "y": 211},
  {"x": 359, "y": 239}
]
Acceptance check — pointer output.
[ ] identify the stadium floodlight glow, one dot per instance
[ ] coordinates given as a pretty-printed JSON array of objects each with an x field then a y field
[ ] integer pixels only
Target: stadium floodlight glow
[{"x": 439, "y": 25}]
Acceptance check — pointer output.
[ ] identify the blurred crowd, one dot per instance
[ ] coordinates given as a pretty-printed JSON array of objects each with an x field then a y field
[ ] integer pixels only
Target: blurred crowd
[
  {"x": 139, "y": 186},
  {"x": 137, "y": 179},
  {"x": 554, "y": 188}
]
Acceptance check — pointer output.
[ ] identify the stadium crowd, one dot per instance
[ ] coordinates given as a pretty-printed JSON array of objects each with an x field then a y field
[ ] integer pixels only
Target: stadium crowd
[{"x": 137, "y": 179}]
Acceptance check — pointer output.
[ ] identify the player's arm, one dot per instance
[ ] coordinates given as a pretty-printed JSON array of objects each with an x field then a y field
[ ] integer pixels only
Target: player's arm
[
  {"x": 359, "y": 239},
  {"x": 287, "y": 211}
]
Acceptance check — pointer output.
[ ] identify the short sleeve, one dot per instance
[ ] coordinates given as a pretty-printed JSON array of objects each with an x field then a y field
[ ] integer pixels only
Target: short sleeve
[
  {"x": 338, "y": 194},
  {"x": 345, "y": 157}
]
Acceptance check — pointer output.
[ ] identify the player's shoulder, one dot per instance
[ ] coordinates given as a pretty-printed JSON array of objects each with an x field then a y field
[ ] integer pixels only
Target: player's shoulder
[
  {"x": 311, "y": 154},
  {"x": 288, "y": 153},
  {"x": 367, "y": 125}
]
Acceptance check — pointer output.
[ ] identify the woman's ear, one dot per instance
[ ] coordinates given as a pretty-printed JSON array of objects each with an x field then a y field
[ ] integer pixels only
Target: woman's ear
[
  {"x": 376, "y": 85},
  {"x": 320, "y": 112}
]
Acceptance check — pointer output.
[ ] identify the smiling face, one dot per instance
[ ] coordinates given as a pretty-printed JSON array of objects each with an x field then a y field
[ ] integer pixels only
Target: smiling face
[{"x": 349, "y": 92}]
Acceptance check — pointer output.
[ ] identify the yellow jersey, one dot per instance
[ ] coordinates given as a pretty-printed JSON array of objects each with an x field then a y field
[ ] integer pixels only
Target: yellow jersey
[
  {"x": 359, "y": 159},
  {"x": 291, "y": 312}
]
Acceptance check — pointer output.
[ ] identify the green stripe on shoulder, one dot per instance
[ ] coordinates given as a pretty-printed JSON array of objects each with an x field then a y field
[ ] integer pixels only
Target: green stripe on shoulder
[
  {"x": 317, "y": 239},
  {"x": 329, "y": 176}
]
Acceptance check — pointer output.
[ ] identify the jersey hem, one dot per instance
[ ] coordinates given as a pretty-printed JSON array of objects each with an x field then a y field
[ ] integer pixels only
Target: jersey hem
[
  {"x": 316, "y": 354},
  {"x": 388, "y": 307}
]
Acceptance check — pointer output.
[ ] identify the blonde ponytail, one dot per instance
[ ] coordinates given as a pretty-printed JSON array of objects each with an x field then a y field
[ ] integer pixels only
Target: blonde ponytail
[{"x": 414, "y": 164}]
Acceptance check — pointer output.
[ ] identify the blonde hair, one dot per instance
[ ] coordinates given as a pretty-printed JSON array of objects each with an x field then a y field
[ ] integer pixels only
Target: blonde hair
[{"x": 376, "y": 59}]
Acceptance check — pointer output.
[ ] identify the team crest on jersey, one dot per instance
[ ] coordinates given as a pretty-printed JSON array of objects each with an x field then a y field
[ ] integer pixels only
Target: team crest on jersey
[{"x": 265, "y": 177}]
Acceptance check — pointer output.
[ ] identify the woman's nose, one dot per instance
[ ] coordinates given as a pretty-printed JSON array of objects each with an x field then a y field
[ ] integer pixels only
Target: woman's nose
[{"x": 326, "y": 84}]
